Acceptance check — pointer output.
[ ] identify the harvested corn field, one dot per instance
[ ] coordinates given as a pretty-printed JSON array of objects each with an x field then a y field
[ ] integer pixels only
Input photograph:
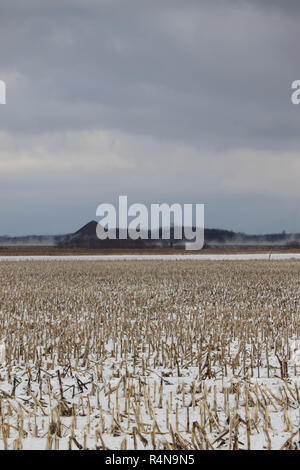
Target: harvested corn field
[{"x": 149, "y": 355}]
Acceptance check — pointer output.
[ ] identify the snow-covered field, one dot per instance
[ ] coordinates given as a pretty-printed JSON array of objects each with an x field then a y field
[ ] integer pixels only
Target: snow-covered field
[
  {"x": 187, "y": 257},
  {"x": 179, "y": 355}
]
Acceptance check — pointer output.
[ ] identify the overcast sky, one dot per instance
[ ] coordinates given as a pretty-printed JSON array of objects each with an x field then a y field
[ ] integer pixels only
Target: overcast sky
[{"x": 160, "y": 100}]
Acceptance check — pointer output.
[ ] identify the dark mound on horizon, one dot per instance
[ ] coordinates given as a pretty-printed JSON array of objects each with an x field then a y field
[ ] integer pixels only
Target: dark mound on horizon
[
  {"x": 86, "y": 237},
  {"x": 88, "y": 230}
]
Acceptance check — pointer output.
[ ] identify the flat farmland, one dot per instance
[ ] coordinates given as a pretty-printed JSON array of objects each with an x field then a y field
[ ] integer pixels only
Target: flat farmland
[{"x": 149, "y": 354}]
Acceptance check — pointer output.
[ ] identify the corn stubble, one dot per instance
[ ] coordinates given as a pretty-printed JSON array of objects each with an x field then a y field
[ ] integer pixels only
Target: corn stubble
[{"x": 149, "y": 355}]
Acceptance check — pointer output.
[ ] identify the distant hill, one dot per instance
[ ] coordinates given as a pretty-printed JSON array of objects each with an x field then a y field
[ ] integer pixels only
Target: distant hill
[
  {"x": 88, "y": 229},
  {"x": 86, "y": 237}
]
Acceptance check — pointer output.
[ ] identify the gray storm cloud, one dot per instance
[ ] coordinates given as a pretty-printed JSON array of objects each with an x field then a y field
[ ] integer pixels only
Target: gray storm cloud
[{"x": 185, "y": 101}]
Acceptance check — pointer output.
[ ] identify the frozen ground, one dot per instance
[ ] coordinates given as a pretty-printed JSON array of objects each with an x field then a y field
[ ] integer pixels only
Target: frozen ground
[{"x": 177, "y": 355}]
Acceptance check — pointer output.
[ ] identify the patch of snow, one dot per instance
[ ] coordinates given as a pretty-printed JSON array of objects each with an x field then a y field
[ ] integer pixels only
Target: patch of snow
[{"x": 219, "y": 257}]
